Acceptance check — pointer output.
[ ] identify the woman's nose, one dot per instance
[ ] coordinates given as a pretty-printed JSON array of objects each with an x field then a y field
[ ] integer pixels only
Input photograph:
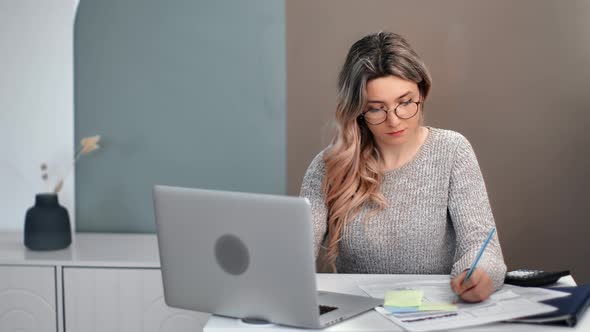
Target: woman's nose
[{"x": 392, "y": 118}]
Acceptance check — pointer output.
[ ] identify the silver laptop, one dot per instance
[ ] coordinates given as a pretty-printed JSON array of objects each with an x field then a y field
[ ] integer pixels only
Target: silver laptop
[{"x": 245, "y": 255}]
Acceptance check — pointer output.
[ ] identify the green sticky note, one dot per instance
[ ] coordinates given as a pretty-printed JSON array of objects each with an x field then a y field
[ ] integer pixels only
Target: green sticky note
[
  {"x": 403, "y": 298},
  {"x": 437, "y": 307}
]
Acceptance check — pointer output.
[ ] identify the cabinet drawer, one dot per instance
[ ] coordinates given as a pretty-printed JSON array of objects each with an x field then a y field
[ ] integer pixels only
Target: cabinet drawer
[
  {"x": 27, "y": 299},
  {"x": 121, "y": 299}
]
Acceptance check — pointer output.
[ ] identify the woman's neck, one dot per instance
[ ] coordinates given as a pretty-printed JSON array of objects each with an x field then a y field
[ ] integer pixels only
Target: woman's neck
[{"x": 397, "y": 156}]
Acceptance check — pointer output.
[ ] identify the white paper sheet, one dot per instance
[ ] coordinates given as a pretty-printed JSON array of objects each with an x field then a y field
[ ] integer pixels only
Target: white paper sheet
[{"x": 508, "y": 303}]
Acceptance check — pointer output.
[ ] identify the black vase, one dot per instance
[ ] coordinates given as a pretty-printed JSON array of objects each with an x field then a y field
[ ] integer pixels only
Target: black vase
[{"x": 47, "y": 224}]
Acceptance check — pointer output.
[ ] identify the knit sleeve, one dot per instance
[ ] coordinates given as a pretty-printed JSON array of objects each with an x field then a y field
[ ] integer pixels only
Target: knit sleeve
[
  {"x": 311, "y": 188},
  {"x": 472, "y": 217}
]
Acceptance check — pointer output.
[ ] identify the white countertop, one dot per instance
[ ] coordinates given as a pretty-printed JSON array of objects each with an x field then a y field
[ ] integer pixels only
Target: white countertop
[{"x": 87, "y": 249}]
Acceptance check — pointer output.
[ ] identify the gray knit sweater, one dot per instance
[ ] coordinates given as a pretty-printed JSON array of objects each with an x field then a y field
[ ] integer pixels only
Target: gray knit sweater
[{"x": 437, "y": 218}]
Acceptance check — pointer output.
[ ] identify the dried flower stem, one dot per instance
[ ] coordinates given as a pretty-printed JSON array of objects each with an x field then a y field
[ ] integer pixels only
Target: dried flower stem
[
  {"x": 60, "y": 184},
  {"x": 89, "y": 144}
]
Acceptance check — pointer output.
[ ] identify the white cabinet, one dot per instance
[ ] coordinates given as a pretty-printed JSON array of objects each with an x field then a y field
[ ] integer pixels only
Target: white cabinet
[
  {"x": 130, "y": 300},
  {"x": 27, "y": 299},
  {"x": 102, "y": 282}
]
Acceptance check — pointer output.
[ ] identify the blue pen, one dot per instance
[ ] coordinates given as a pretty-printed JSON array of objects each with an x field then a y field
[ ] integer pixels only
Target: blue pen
[{"x": 479, "y": 254}]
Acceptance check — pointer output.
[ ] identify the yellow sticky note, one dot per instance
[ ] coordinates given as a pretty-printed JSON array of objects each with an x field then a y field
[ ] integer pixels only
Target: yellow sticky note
[
  {"x": 403, "y": 298},
  {"x": 437, "y": 307}
]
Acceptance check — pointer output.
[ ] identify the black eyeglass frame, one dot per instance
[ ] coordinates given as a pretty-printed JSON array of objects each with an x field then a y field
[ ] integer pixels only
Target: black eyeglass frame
[{"x": 386, "y": 110}]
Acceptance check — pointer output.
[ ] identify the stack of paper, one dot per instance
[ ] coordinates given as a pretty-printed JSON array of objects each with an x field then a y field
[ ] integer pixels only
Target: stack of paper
[
  {"x": 402, "y": 301},
  {"x": 429, "y": 305},
  {"x": 408, "y": 305}
]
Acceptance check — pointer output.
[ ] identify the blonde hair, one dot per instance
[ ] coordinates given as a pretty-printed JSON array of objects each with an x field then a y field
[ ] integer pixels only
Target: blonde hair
[{"x": 353, "y": 162}]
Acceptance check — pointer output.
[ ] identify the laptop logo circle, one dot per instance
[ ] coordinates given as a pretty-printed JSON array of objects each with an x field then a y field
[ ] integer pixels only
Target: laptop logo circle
[{"x": 232, "y": 254}]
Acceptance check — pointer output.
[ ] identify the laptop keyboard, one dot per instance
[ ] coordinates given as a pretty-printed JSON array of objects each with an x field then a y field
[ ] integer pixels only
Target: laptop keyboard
[{"x": 324, "y": 309}]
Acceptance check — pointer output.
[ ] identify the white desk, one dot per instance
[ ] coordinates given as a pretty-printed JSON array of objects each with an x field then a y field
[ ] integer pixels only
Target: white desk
[{"x": 372, "y": 321}]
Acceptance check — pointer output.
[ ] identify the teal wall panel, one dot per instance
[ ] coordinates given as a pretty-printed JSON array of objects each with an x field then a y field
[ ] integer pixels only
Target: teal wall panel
[{"x": 187, "y": 93}]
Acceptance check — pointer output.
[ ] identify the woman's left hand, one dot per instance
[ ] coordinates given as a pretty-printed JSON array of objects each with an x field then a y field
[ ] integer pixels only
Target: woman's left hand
[{"x": 477, "y": 288}]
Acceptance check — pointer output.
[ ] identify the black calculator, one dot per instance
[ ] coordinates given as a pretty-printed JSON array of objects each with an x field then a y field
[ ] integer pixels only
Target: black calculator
[{"x": 533, "y": 278}]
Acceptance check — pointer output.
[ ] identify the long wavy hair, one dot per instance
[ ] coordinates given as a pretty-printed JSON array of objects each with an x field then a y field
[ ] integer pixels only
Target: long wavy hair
[{"x": 354, "y": 168}]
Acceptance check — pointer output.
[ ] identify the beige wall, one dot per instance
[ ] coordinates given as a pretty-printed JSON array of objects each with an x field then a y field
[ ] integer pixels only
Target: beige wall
[{"x": 512, "y": 76}]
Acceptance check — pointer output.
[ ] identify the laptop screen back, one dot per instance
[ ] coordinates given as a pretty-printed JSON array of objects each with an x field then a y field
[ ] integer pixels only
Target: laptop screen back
[{"x": 237, "y": 254}]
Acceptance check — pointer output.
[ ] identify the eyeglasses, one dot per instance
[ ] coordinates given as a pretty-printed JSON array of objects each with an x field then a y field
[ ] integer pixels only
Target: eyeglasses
[{"x": 377, "y": 113}]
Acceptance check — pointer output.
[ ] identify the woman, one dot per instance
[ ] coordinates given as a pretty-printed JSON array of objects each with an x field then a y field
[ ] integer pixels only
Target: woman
[{"x": 390, "y": 195}]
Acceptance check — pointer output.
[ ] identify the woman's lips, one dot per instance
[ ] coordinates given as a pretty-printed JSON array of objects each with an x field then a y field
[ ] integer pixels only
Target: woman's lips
[{"x": 396, "y": 133}]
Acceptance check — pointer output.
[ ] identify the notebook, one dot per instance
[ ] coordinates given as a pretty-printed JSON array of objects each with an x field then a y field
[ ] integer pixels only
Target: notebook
[{"x": 569, "y": 311}]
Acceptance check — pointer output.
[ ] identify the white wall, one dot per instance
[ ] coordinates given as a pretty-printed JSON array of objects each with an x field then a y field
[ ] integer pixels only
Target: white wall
[{"x": 36, "y": 103}]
